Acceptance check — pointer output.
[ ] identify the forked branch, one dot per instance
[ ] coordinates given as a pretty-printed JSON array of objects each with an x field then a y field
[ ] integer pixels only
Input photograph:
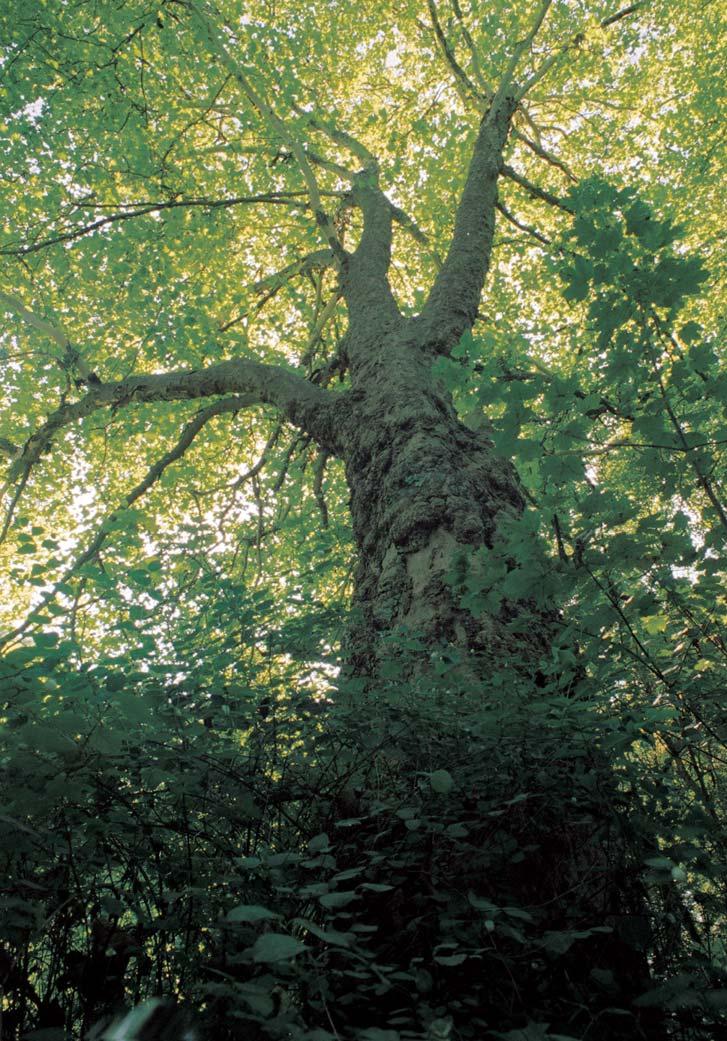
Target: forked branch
[{"x": 301, "y": 403}]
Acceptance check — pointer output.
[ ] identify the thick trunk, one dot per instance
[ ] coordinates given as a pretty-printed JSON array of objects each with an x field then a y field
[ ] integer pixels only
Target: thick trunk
[{"x": 425, "y": 492}]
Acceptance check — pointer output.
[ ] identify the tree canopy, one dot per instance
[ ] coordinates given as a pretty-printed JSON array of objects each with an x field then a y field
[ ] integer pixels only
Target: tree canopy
[{"x": 211, "y": 212}]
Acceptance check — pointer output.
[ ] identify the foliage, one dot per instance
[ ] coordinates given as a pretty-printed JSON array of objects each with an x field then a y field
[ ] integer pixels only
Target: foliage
[
  {"x": 183, "y": 854},
  {"x": 197, "y": 803}
]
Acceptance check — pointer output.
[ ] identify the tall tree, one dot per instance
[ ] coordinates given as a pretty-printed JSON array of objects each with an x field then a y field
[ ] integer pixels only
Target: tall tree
[
  {"x": 288, "y": 213},
  {"x": 424, "y": 487}
]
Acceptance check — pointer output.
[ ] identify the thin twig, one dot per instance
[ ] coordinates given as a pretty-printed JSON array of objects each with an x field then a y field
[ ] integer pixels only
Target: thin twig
[
  {"x": 523, "y": 227},
  {"x": 190, "y": 431},
  {"x": 278, "y": 198}
]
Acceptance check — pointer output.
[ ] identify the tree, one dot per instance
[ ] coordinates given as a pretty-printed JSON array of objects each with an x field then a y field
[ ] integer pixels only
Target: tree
[{"x": 149, "y": 156}]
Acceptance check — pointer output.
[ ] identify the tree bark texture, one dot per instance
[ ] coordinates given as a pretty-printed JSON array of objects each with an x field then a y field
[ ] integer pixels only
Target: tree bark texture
[{"x": 425, "y": 492}]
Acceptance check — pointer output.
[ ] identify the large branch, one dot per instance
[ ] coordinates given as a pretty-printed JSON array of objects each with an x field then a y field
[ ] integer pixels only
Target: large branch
[
  {"x": 543, "y": 153},
  {"x": 364, "y": 278},
  {"x": 474, "y": 55},
  {"x": 534, "y": 191},
  {"x": 301, "y": 403},
  {"x": 451, "y": 307},
  {"x": 340, "y": 137},
  {"x": 365, "y": 281},
  {"x": 129, "y": 213},
  {"x": 71, "y": 356}
]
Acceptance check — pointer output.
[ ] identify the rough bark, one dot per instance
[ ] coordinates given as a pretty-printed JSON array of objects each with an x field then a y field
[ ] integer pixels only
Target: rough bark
[{"x": 425, "y": 492}]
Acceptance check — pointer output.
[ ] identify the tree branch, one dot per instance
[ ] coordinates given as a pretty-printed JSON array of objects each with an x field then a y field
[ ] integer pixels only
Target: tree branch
[
  {"x": 216, "y": 42},
  {"x": 71, "y": 357},
  {"x": 340, "y": 137},
  {"x": 319, "y": 325},
  {"x": 327, "y": 164},
  {"x": 465, "y": 87},
  {"x": 268, "y": 286},
  {"x": 365, "y": 281},
  {"x": 409, "y": 224},
  {"x": 451, "y": 307},
  {"x": 574, "y": 41},
  {"x": 542, "y": 153},
  {"x": 278, "y": 198},
  {"x": 527, "y": 228},
  {"x": 8, "y": 448},
  {"x": 15, "y": 304},
  {"x": 476, "y": 67},
  {"x": 190, "y": 431},
  {"x": 302, "y": 403},
  {"x": 319, "y": 469},
  {"x": 523, "y": 46},
  {"x": 534, "y": 191}
]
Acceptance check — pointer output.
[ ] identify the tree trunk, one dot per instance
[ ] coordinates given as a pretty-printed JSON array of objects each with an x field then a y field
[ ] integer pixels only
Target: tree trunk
[
  {"x": 425, "y": 492},
  {"x": 528, "y": 832}
]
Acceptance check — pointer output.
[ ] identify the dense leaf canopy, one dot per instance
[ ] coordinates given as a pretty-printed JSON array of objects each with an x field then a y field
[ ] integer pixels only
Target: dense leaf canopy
[{"x": 179, "y": 182}]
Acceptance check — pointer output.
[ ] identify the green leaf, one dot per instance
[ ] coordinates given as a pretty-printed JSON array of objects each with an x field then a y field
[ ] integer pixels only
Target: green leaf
[
  {"x": 332, "y": 936},
  {"x": 250, "y": 913},
  {"x": 558, "y": 942},
  {"x": 663, "y": 863},
  {"x": 273, "y": 947},
  {"x": 319, "y": 843},
  {"x": 655, "y": 624},
  {"x": 441, "y": 781},
  {"x": 450, "y": 960},
  {"x": 140, "y": 575},
  {"x": 342, "y": 899},
  {"x": 690, "y": 332}
]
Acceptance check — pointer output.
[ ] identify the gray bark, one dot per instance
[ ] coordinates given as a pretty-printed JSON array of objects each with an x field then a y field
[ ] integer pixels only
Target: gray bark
[
  {"x": 301, "y": 402},
  {"x": 425, "y": 490},
  {"x": 451, "y": 307}
]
